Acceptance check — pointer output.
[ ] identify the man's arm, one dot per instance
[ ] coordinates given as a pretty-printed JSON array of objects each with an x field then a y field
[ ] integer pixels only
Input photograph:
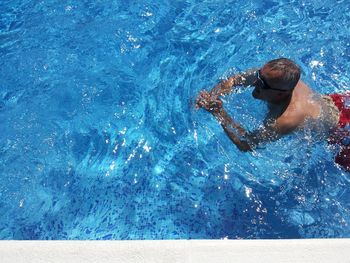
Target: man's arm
[
  {"x": 214, "y": 106},
  {"x": 239, "y": 136},
  {"x": 244, "y": 140},
  {"x": 225, "y": 87},
  {"x": 230, "y": 127}
]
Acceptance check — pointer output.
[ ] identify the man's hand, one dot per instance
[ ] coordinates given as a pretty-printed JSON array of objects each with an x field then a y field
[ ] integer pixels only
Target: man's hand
[{"x": 208, "y": 102}]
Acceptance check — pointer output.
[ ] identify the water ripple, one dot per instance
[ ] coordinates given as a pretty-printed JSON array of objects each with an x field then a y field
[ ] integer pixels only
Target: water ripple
[{"x": 100, "y": 138}]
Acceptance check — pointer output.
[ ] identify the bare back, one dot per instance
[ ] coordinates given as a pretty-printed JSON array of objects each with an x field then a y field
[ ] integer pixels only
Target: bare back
[{"x": 302, "y": 106}]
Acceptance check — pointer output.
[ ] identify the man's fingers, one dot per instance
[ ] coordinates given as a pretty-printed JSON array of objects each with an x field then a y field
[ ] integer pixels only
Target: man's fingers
[{"x": 208, "y": 102}]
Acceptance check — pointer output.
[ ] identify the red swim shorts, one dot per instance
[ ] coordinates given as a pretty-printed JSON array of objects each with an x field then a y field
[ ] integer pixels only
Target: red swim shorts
[
  {"x": 342, "y": 101},
  {"x": 341, "y": 134}
]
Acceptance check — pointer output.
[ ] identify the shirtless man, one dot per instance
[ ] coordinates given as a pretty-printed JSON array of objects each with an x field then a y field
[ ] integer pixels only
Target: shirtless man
[{"x": 291, "y": 104}]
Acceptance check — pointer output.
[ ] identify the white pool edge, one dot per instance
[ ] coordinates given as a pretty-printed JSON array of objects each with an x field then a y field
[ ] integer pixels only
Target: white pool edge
[{"x": 303, "y": 250}]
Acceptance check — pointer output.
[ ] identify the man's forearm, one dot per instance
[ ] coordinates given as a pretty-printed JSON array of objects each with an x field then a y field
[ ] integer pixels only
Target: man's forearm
[
  {"x": 228, "y": 124},
  {"x": 225, "y": 119},
  {"x": 225, "y": 87},
  {"x": 241, "y": 145}
]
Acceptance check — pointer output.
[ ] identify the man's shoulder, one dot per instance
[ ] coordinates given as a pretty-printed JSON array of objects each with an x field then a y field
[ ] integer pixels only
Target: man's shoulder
[
  {"x": 305, "y": 105},
  {"x": 288, "y": 122}
]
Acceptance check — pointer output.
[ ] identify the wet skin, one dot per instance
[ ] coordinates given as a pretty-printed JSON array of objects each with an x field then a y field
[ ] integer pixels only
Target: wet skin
[{"x": 288, "y": 108}]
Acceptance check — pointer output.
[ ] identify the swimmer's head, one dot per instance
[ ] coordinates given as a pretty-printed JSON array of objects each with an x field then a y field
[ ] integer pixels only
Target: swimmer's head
[
  {"x": 276, "y": 80},
  {"x": 282, "y": 72}
]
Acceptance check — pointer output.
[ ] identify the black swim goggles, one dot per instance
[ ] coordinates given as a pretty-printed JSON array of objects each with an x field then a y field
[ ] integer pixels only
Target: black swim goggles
[{"x": 264, "y": 85}]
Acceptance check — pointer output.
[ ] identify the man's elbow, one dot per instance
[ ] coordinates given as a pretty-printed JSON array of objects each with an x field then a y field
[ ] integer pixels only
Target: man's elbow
[{"x": 244, "y": 147}]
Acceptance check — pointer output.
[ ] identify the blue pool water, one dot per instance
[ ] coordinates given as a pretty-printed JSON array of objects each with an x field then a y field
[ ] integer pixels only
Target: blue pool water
[{"x": 99, "y": 138}]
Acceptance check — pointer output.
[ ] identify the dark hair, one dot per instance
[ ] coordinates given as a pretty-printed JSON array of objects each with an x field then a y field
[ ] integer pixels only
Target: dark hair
[{"x": 290, "y": 72}]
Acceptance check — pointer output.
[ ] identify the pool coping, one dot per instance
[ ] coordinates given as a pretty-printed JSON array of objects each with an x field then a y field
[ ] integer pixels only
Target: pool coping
[{"x": 283, "y": 250}]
